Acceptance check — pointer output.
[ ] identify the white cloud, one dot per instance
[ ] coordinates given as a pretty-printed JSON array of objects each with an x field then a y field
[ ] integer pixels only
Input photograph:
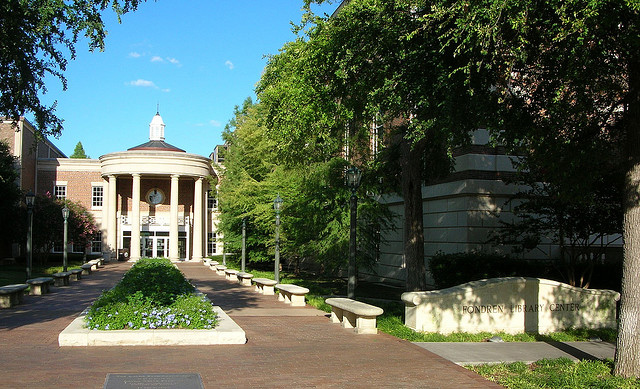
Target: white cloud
[
  {"x": 229, "y": 64},
  {"x": 215, "y": 123},
  {"x": 173, "y": 61},
  {"x": 166, "y": 90},
  {"x": 135, "y": 54},
  {"x": 156, "y": 58},
  {"x": 142, "y": 83}
]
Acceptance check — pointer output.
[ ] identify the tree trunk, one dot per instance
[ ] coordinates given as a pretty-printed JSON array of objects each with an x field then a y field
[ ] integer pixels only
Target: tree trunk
[
  {"x": 411, "y": 165},
  {"x": 627, "y": 359}
]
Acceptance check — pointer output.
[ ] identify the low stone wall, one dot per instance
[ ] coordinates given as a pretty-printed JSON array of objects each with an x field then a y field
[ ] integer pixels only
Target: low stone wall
[
  {"x": 511, "y": 304},
  {"x": 226, "y": 332}
]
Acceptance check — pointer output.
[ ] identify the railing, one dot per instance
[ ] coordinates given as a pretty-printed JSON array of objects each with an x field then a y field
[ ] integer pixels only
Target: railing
[{"x": 155, "y": 220}]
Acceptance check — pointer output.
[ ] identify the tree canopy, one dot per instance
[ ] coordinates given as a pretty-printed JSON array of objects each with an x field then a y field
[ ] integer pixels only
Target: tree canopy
[
  {"x": 314, "y": 215},
  {"x": 37, "y": 39}
]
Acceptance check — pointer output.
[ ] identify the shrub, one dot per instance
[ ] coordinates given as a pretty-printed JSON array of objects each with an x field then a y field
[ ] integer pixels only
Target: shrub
[
  {"x": 450, "y": 270},
  {"x": 152, "y": 294}
]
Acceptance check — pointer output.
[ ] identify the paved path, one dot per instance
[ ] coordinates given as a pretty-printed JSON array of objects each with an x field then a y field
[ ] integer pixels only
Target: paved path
[
  {"x": 479, "y": 353},
  {"x": 287, "y": 347}
]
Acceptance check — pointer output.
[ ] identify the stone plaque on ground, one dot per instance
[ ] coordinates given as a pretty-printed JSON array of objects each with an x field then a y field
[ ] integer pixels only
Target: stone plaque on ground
[
  {"x": 152, "y": 381},
  {"x": 512, "y": 305}
]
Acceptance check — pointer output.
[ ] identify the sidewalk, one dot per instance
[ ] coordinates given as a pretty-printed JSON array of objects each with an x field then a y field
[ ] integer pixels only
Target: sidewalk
[
  {"x": 287, "y": 346},
  {"x": 480, "y": 353}
]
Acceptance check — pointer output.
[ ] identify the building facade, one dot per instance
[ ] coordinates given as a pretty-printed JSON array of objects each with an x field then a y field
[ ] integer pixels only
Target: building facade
[{"x": 155, "y": 194}]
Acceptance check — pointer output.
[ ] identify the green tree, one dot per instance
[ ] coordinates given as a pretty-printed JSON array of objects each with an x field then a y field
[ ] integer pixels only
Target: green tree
[
  {"x": 561, "y": 72},
  {"x": 78, "y": 152},
  {"x": 38, "y": 39},
  {"x": 9, "y": 195},
  {"x": 315, "y": 221},
  {"x": 373, "y": 59}
]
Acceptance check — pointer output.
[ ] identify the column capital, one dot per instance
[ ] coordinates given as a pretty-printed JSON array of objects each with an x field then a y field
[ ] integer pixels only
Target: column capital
[{"x": 136, "y": 175}]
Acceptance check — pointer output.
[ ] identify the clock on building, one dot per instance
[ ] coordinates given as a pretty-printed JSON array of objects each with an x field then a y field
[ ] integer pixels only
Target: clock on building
[{"x": 155, "y": 196}]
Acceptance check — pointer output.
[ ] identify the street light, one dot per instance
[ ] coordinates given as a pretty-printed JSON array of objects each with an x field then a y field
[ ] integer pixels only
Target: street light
[
  {"x": 277, "y": 204},
  {"x": 29, "y": 199},
  {"x": 65, "y": 216},
  {"x": 353, "y": 176},
  {"x": 244, "y": 243}
]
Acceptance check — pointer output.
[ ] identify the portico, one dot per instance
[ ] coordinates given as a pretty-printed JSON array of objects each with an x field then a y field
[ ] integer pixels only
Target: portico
[{"x": 156, "y": 203}]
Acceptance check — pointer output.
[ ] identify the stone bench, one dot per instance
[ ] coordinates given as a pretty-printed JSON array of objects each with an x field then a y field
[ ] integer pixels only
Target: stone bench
[
  {"x": 61, "y": 279},
  {"x": 231, "y": 274},
  {"x": 244, "y": 278},
  {"x": 292, "y": 294},
  {"x": 76, "y": 274},
  {"x": 265, "y": 286},
  {"x": 220, "y": 269},
  {"x": 86, "y": 269},
  {"x": 11, "y": 295},
  {"x": 354, "y": 314},
  {"x": 39, "y": 286},
  {"x": 95, "y": 264}
]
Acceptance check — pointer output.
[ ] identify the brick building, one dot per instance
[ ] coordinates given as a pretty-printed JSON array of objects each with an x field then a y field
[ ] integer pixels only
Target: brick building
[{"x": 153, "y": 193}]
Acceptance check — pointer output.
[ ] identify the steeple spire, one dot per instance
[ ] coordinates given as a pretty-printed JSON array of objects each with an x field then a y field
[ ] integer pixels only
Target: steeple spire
[{"x": 156, "y": 127}]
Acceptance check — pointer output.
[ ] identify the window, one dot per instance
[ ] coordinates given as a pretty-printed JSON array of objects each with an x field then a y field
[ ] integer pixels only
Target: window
[
  {"x": 212, "y": 200},
  {"x": 96, "y": 244},
  {"x": 58, "y": 247},
  {"x": 376, "y": 135},
  {"x": 60, "y": 192},
  {"x": 212, "y": 243},
  {"x": 97, "y": 196}
]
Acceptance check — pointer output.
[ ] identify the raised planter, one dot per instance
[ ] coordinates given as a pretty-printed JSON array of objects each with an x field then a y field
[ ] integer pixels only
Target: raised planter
[{"x": 226, "y": 332}]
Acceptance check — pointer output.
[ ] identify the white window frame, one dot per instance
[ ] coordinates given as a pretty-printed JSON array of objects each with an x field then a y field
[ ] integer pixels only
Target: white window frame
[
  {"x": 60, "y": 190},
  {"x": 95, "y": 199}
]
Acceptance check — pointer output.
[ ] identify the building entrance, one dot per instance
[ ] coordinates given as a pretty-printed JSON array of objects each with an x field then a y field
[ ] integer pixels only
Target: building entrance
[{"x": 154, "y": 246}]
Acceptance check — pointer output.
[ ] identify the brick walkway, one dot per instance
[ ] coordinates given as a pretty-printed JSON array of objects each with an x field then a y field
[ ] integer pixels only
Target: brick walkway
[{"x": 290, "y": 347}]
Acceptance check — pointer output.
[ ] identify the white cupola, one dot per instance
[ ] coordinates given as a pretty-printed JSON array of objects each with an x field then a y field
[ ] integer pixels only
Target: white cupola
[{"x": 156, "y": 128}]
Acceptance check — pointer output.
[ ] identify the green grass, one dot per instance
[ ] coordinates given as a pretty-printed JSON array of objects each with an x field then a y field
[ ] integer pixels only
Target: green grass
[
  {"x": 16, "y": 274},
  {"x": 555, "y": 373}
]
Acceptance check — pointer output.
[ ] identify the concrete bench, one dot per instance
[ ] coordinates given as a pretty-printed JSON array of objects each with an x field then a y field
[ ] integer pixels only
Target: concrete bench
[
  {"x": 354, "y": 314},
  {"x": 231, "y": 274},
  {"x": 61, "y": 279},
  {"x": 86, "y": 269},
  {"x": 265, "y": 286},
  {"x": 220, "y": 269},
  {"x": 76, "y": 274},
  {"x": 39, "y": 286},
  {"x": 11, "y": 295},
  {"x": 95, "y": 264},
  {"x": 244, "y": 278},
  {"x": 292, "y": 294}
]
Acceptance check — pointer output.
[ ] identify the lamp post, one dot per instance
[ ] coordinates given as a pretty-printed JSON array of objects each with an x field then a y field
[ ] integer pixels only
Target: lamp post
[
  {"x": 29, "y": 199},
  {"x": 277, "y": 204},
  {"x": 244, "y": 243},
  {"x": 353, "y": 176},
  {"x": 65, "y": 216}
]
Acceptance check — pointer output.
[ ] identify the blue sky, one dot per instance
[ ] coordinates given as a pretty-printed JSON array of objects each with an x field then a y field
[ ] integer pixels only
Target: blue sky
[{"x": 197, "y": 59}]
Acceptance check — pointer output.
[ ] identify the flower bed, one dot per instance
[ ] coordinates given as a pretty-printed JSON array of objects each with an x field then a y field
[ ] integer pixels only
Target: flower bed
[{"x": 153, "y": 294}]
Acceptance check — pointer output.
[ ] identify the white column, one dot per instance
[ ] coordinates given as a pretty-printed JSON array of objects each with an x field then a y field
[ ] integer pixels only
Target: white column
[
  {"x": 174, "y": 255},
  {"x": 134, "y": 251},
  {"x": 198, "y": 215},
  {"x": 104, "y": 221},
  {"x": 112, "y": 221}
]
